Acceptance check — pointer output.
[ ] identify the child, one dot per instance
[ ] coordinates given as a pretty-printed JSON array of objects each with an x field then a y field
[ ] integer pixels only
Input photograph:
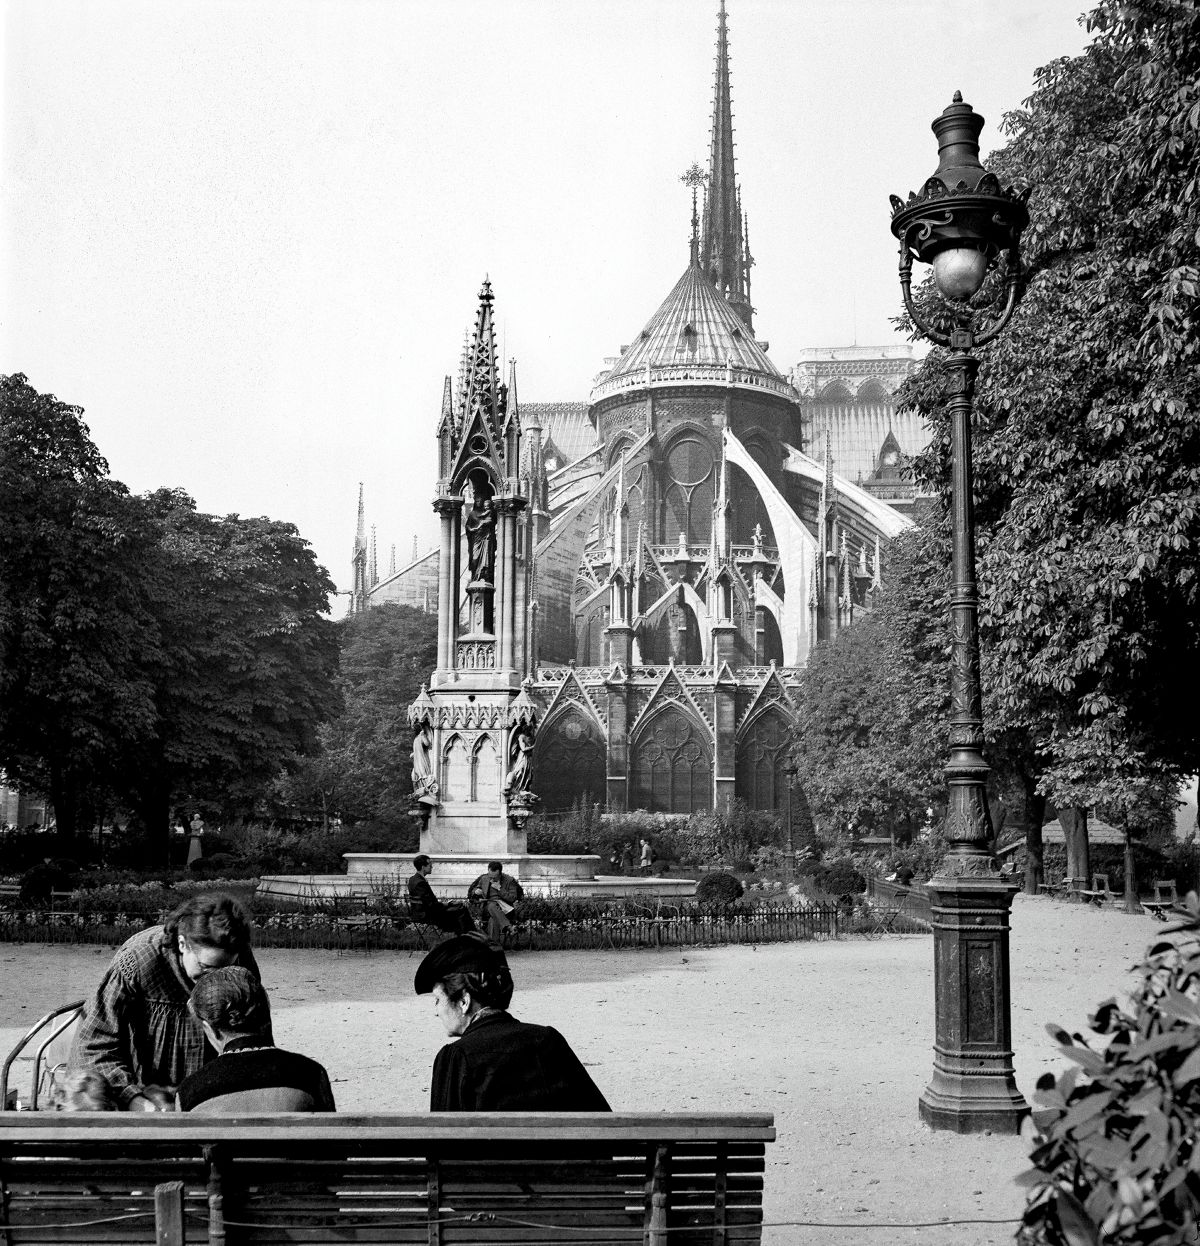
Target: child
[{"x": 82, "y": 1090}]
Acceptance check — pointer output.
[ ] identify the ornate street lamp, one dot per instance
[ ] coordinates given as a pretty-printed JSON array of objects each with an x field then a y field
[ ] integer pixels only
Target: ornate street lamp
[
  {"x": 791, "y": 770},
  {"x": 965, "y": 225}
]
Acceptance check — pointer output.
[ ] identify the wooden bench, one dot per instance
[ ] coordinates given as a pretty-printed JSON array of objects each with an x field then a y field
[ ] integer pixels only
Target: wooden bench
[
  {"x": 1165, "y": 898},
  {"x": 442, "y": 1179},
  {"x": 1100, "y": 892},
  {"x": 1051, "y": 885}
]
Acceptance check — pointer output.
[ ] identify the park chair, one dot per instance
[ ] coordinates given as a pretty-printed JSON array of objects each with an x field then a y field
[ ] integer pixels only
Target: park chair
[
  {"x": 1165, "y": 898},
  {"x": 1100, "y": 892},
  {"x": 883, "y": 919},
  {"x": 1052, "y": 884}
]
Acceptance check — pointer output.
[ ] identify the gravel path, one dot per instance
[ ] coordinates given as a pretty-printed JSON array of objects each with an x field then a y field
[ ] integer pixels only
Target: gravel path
[{"x": 833, "y": 1037}]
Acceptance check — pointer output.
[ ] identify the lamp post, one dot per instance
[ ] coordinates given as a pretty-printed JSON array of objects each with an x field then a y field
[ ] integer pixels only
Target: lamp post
[
  {"x": 963, "y": 224},
  {"x": 791, "y": 770}
]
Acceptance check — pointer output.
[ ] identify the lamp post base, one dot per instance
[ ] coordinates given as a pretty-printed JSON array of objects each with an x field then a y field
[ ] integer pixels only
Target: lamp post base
[
  {"x": 964, "y": 1108},
  {"x": 972, "y": 1089}
]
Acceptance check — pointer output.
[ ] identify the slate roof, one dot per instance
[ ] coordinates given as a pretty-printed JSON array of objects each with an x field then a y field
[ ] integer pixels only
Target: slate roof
[
  {"x": 693, "y": 326},
  {"x": 566, "y": 423}
]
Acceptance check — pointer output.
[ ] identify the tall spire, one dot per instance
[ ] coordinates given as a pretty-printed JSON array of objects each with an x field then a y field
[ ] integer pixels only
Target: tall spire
[
  {"x": 358, "y": 593},
  {"x": 723, "y": 254}
]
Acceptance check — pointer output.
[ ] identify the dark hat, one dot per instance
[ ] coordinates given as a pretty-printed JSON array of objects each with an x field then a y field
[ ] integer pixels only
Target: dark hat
[{"x": 465, "y": 953}]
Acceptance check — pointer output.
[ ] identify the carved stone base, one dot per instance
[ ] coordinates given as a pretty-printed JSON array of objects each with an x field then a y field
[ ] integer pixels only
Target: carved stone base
[{"x": 973, "y": 1088}]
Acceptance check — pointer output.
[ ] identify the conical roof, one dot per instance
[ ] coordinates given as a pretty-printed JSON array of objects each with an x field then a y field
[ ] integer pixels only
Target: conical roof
[{"x": 694, "y": 335}]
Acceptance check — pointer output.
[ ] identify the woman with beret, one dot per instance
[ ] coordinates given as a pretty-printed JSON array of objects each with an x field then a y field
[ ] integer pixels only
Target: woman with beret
[{"x": 498, "y": 1064}]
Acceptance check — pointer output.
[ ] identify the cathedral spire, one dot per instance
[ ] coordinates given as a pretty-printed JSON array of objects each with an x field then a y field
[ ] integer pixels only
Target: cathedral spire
[
  {"x": 723, "y": 254},
  {"x": 358, "y": 593}
]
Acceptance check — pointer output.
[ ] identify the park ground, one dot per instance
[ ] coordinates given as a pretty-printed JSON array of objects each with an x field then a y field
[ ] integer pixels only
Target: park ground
[{"x": 834, "y": 1037}]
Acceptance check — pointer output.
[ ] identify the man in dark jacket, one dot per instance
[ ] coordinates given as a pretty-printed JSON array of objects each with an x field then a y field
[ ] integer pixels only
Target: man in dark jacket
[
  {"x": 492, "y": 898},
  {"x": 426, "y": 907},
  {"x": 498, "y": 1064}
]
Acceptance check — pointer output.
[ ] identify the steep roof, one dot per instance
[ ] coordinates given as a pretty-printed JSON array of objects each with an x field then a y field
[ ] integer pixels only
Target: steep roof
[
  {"x": 694, "y": 335},
  {"x": 566, "y": 423}
]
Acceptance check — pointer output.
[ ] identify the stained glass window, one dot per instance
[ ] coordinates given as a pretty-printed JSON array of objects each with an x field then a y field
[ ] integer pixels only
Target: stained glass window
[{"x": 671, "y": 763}]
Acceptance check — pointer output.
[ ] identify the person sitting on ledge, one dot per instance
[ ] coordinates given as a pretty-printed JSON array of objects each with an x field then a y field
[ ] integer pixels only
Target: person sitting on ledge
[
  {"x": 492, "y": 897},
  {"x": 250, "y": 1074},
  {"x": 426, "y": 907}
]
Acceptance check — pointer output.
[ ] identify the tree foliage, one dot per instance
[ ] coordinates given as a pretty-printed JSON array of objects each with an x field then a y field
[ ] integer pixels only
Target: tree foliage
[
  {"x": 363, "y": 768},
  {"x": 246, "y": 673},
  {"x": 74, "y": 625},
  {"x": 1116, "y": 1150},
  {"x": 150, "y": 653},
  {"x": 1087, "y": 450},
  {"x": 874, "y": 702}
]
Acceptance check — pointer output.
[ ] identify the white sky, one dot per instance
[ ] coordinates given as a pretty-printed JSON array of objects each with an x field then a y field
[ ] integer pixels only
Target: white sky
[{"x": 247, "y": 236}]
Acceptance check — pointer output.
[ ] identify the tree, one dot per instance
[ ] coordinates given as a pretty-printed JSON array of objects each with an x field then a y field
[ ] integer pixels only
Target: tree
[
  {"x": 75, "y": 631},
  {"x": 1087, "y": 459},
  {"x": 874, "y": 702},
  {"x": 363, "y": 769},
  {"x": 245, "y": 671}
]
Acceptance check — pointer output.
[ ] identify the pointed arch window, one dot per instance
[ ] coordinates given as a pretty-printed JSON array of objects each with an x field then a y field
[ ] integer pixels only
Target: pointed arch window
[
  {"x": 761, "y": 755},
  {"x": 569, "y": 762},
  {"x": 835, "y": 392},
  {"x": 671, "y": 764},
  {"x": 690, "y": 465},
  {"x": 456, "y": 770},
  {"x": 485, "y": 770}
]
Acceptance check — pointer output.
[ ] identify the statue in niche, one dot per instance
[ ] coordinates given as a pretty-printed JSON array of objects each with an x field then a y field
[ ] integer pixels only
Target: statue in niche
[
  {"x": 480, "y": 527},
  {"x": 520, "y": 759},
  {"x": 424, "y": 784}
]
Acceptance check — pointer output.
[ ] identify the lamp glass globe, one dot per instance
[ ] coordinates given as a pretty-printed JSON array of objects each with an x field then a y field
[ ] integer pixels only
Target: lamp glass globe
[{"x": 959, "y": 272}]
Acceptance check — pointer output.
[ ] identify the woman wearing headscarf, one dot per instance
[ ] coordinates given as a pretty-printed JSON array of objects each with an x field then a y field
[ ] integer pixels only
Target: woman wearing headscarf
[
  {"x": 498, "y": 1064},
  {"x": 250, "y": 1074}
]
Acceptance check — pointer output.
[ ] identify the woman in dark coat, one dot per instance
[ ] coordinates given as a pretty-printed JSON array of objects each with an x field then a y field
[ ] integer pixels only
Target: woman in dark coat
[{"x": 498, "y": 1064}]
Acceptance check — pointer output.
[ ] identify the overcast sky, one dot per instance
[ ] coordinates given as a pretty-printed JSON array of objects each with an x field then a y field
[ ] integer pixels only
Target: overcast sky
[{"x": 247, "y": 237}]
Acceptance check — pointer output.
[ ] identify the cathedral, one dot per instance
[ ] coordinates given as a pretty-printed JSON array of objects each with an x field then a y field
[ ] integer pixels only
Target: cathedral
[{"x": 687, "y": 535}]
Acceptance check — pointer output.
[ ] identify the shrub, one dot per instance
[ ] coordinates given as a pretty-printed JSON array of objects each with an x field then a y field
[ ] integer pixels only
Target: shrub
[
  {"x": 719, "y": 887},
  {"x": 39, "y": 881},
  {"x": 570, "y": 834},
  {"x": 1116, "y": 1151},
  {"x": 841, "y": 878},
  {"x": 923, "y": 856}
]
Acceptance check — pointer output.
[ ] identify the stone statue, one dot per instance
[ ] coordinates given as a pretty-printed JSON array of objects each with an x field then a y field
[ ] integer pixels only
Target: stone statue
[
  {"x": 424, "y": 784},
  {"x": 480, "y": 525},
  {"x": 520, "y": 757}
]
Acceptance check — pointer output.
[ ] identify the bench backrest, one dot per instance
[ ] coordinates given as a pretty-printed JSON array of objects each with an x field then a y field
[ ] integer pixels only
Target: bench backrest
[{"x": 456, "y": 1178}]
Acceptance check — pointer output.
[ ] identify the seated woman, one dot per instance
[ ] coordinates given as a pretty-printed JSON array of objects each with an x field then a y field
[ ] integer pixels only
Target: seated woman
[
  {"x": 250, "y": 1074},
  {"x": 499, "y": 1064}
]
